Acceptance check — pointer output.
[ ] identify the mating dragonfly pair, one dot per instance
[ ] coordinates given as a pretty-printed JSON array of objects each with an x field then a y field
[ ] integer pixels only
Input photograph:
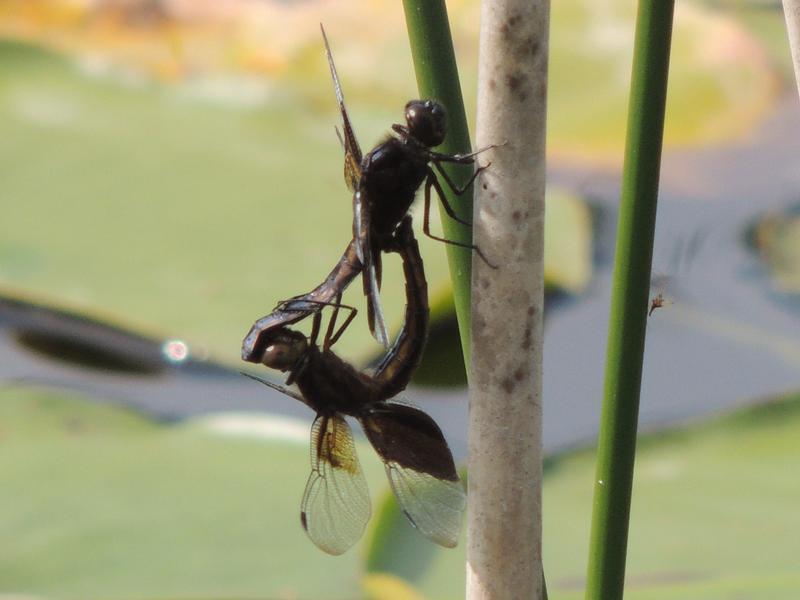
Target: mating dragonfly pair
[{"x": 419, "y": 465}]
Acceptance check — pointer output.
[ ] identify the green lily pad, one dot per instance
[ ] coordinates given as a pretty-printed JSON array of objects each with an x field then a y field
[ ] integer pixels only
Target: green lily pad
[{"x": 99, "y": 502}]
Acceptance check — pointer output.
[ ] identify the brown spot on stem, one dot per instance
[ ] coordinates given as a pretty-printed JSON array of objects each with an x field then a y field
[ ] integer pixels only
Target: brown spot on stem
[
  {"x": 517, "y": 83},
  {"x": 526, "y": 342},
  {"x": 507, "y": 385},
  {"x": 519, "y": 374}
]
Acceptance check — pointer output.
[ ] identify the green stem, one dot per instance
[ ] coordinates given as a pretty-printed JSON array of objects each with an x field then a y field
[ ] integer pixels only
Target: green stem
[
  {"x": 617, "y": 440},
  {"x": 437, "y": 78}
]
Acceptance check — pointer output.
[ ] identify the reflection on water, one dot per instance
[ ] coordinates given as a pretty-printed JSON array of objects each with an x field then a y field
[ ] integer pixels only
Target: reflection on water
[{"x": 175, "y": 351}]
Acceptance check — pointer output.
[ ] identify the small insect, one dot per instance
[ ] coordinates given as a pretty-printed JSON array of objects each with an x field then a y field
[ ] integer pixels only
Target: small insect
[
  {"x": 336, "y": 507},
  {"x": 657, "y": 302},
  {"x": 659, "y": 282}
]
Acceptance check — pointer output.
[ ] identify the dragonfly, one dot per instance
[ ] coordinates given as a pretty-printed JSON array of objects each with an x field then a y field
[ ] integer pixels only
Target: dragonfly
[
  {"x": 384, "y": 183},
  {"x": 335, "y": 507}
]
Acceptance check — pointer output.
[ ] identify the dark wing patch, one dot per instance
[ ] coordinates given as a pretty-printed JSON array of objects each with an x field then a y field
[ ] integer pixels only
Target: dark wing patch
[
  {"x": 352, "y": 151},
  {"x": 336, "y": 506},
  {"x": 420, "y": 469}
]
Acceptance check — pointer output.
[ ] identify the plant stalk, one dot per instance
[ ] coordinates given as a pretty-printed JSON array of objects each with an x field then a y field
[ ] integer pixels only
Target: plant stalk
[
  {"x": 791, "y": 10},
  {"x": 437, "y": 78},
  {"x": 504, "y": 548},
  {"x": 631, "y": 284}
]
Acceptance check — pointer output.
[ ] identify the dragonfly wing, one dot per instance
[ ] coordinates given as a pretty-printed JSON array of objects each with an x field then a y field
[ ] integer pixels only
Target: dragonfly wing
[
  {"x": 361, "y": 229},
  {"x": 434, "y": 506},
  {"x": 278, "y": 387},
  {"x": 420, "y": 469},
  {"x": 365, "y": 253},
  {"x": 335, "y": 506},
  {"x": 352, "y": 151},
  {"x": 377, "y": 323}
]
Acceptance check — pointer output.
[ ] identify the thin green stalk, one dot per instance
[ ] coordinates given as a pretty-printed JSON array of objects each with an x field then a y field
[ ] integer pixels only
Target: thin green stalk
[
  {"x": 437, "y": 78},
  {"x": 617, "y": 439}
]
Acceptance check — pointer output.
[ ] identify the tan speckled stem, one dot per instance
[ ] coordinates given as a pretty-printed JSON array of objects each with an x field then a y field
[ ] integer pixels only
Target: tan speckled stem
[
  {"x": 791, "y": 10},
  {"x": 505, "y": 442}
]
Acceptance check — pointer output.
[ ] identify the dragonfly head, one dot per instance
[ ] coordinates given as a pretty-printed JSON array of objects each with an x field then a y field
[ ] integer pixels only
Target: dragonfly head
[
  {"x": 284, "y": 349},
  {"x": 426, "y": 121}
]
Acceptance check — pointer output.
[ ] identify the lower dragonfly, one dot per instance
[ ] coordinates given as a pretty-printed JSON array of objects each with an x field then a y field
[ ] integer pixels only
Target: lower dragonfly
[{"x": 336, "y": 507}]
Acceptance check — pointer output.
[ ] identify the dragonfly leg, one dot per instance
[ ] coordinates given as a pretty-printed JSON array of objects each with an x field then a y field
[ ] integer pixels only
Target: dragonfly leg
[
  {"x": 451, "y": 184},
  {"x": 332, "y": 321},
  {"x": 461, "y": 158},
  {"x": 432, "y": 182},
  {"x": 331, "y": 337},
  {"x": 335, "y": 338},
  {"x": 315, "y": 327}
]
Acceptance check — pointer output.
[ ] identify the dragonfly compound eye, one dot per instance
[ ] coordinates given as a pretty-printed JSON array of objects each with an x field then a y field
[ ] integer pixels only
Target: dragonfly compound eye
[
  {"x": 427, "y": 121},
  {"x": 284, "y": 352}
]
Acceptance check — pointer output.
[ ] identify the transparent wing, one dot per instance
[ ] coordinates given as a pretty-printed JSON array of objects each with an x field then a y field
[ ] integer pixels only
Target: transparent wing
[
  {"x": 361, "y": 233},
  {"x": 361, "y": 228},
  {"x": 276, "y": 386},
  {"x": 352, "y": 151},
  {"x": 420, "y": 469},
  {"x": 352, "y": 176},
  {"x": 335, "y": 506},
  {"x": 434, "y": 506}
]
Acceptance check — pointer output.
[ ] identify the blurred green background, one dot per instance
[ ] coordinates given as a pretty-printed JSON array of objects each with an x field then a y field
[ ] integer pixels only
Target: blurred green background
[
  {"x": 98, "y": 502},
  {"x": 173, "y": 167},
  {"x": 187, "y": 194}
]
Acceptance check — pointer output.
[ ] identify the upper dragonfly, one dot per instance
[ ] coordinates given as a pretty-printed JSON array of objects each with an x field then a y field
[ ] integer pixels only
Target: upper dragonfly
[
  {"x": 385, "y": 181},
  {"x": 335, "y": 507}
]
